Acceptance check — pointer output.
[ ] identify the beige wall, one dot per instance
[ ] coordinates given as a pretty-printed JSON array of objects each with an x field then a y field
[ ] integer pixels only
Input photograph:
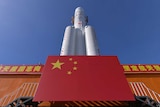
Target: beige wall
[
  {"x": 151, "y": 80},
  {"x": 9, "y": 83}
]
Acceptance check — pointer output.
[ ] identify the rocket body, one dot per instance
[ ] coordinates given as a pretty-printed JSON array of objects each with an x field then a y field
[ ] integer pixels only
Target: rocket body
[{"x": 79, "y": 39}]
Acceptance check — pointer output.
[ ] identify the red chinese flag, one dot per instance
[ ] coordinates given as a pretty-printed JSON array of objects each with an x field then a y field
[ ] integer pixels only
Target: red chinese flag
[{"x": 83, "y": 78}]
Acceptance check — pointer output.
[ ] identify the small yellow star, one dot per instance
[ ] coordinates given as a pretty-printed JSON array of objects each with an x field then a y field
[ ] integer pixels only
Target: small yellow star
[
  {"x": 57, "y": 64},
  {"x": 69, "y": 72},
  {"x": 74, "y": 68},
  {"x": 70, "y": 59},
  {"x": 75, "y": 62}
]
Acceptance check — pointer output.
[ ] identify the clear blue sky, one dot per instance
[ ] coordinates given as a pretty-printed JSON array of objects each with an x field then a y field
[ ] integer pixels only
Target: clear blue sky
[{"x": 30, "y": 30}]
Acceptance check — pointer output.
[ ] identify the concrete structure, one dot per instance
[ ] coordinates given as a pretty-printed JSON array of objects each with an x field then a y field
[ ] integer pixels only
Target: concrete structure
[{"x": 15, "y": 84}]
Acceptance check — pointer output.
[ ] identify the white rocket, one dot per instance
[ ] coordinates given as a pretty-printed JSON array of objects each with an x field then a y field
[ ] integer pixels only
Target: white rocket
[{"x": 79, "y": 39}]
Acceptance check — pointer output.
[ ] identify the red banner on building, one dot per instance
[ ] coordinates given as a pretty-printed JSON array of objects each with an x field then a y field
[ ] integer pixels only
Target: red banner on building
[
  {"x": 21, "y": 69},
  {"x": 83, "y": 78},
  {"x": 141, "y": 68}
]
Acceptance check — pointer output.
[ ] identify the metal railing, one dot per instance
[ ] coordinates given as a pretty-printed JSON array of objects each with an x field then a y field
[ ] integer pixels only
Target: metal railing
[
  {"x": 29, "y": 90},
  {"x": 140, "y": 89},
  {"x": 25, "y": 90}
]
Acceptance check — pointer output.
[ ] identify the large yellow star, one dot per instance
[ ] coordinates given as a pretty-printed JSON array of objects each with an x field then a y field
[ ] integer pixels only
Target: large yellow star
[{"x": 57, "y": 64}]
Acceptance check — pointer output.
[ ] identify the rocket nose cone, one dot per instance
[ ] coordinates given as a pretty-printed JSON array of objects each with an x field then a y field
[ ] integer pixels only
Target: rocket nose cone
[{"x": 79, "y": 10}]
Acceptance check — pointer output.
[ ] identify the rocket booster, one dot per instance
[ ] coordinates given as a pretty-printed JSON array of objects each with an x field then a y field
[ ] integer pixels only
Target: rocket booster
[{"x": 79, "y": 39}]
